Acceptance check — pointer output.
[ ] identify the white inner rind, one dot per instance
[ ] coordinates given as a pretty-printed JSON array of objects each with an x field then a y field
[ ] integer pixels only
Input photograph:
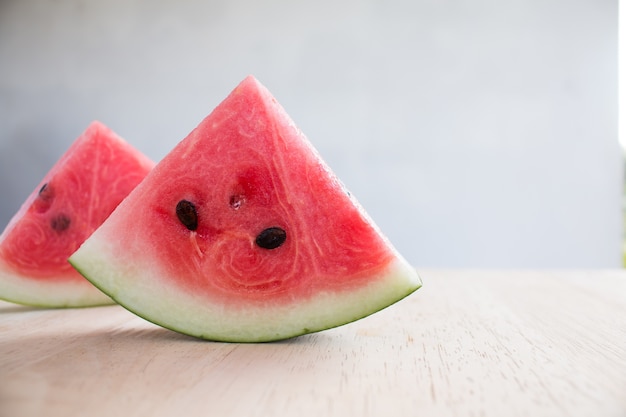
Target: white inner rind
[
  {"x": 143, "y": 290},
  {"x": 49, "y": 291}
]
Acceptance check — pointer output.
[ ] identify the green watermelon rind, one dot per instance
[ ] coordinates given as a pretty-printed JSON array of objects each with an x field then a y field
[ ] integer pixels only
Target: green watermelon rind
[
  {"x": 52, "y": 294},
  {"x": 191, "y": 314}
]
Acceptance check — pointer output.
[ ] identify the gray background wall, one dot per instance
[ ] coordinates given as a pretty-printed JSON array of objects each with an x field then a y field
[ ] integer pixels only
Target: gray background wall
[{"x": 476, "y": 133}]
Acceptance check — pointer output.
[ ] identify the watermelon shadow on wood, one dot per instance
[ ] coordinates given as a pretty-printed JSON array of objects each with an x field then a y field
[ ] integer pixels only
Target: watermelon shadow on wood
[
  {"x": 78, "y": 193},
  {"x": 242, "y": 233}
]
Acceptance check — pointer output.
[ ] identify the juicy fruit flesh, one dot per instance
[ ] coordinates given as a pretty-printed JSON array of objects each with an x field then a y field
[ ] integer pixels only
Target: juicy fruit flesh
[
  {"x": 49, "y": 228},
  {"x": 242, "y": 233},
  {"x": 222, "y": 241},
  {"x": 207, "y": 204},
  {"x": 76, "y": 196}
]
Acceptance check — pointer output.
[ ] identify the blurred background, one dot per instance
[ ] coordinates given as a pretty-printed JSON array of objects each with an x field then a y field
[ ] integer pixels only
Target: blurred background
[{"x": 476, "y": 133}]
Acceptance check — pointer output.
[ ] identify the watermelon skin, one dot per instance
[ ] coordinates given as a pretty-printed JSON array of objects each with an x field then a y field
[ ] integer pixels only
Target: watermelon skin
[
  {"x": 78, "y": 193},
  {"x": 245, "y": 169}
]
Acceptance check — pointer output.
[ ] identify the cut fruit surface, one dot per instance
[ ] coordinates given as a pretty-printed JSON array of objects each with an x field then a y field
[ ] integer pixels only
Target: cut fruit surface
[
  {"x": 243, "y": 233},
  {"x": 71, "y": 201}
]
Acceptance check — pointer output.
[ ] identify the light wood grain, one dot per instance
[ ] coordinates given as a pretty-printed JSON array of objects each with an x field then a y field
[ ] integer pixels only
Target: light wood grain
[{"x": 470, "y": 343}]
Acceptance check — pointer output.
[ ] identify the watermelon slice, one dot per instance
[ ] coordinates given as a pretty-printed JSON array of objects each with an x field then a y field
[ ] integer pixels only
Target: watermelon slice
[
  {"x": 242, "y": 233},
  {"x": 73, "y": 199}
]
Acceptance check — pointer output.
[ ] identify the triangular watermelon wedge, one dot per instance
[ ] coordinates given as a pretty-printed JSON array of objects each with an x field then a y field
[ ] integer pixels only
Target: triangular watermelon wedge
[
  {"x": 84, "y": 186},
  {"x": 242, "y": 233}
]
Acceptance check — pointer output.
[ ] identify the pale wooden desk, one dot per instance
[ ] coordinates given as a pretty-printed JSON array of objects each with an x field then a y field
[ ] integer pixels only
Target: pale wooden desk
[{"x": 470, "y": 343}]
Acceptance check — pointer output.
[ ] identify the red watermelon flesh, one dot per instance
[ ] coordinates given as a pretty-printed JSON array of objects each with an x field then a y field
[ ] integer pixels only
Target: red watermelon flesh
[
  {"x": 78, "y": 193},
  {"x": 243, "y": 233}
]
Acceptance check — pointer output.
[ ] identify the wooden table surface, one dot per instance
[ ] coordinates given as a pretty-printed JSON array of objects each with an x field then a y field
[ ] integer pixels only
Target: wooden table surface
[{"x": 469, "y": 343}]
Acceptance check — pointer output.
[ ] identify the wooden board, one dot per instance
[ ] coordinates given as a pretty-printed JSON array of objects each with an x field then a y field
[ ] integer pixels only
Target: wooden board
[{"x": 470, "y": 343}]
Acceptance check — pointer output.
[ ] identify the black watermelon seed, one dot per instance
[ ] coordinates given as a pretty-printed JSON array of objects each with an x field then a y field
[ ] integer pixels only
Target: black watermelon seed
[
  {"x": 45, "y": 198},
  {"x": 186, "y": 213},
  {"x": 45, "y": 192},
  {"x": 60, "y": 222},
  {"x": 271, "y": 238}
]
